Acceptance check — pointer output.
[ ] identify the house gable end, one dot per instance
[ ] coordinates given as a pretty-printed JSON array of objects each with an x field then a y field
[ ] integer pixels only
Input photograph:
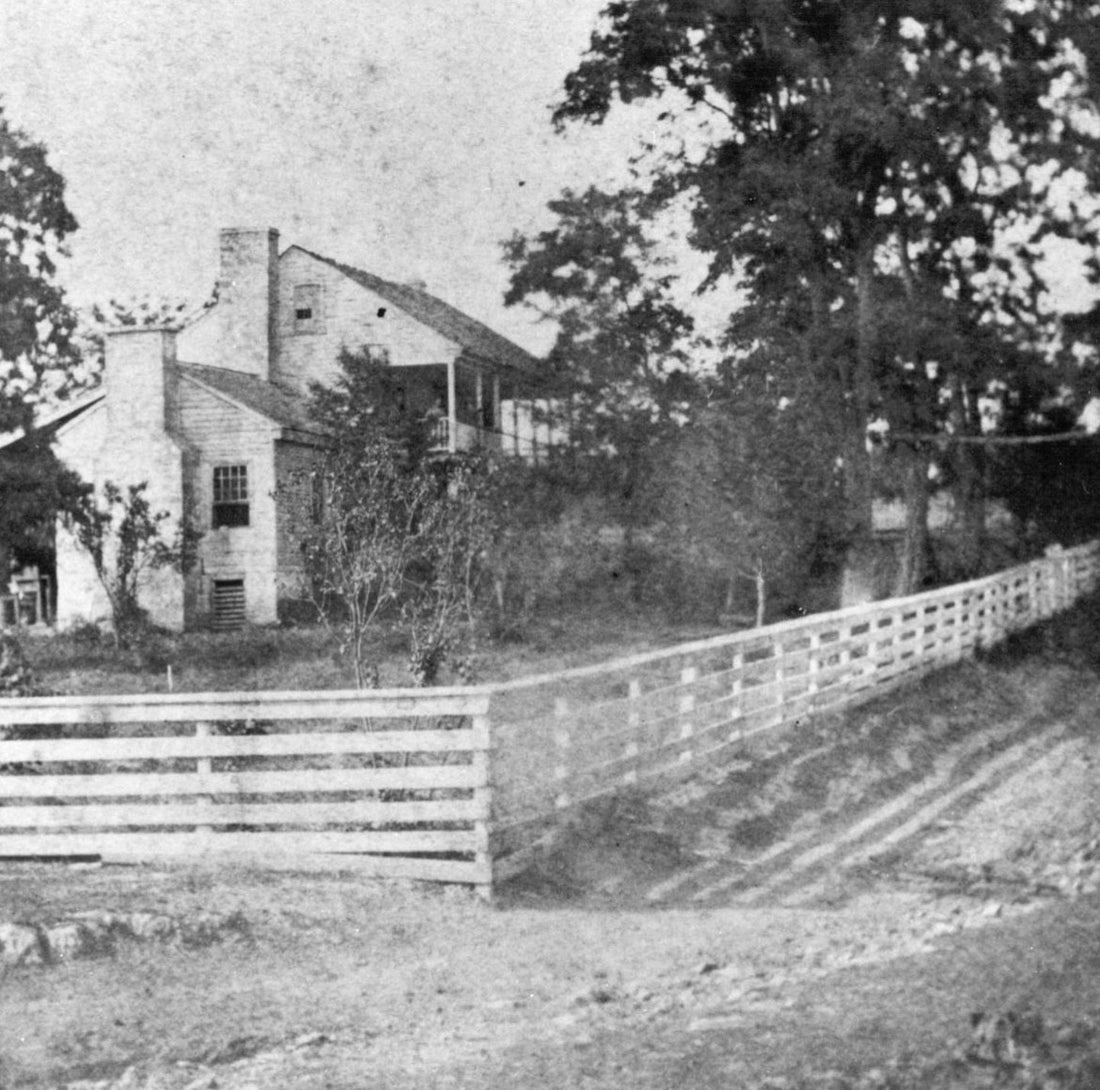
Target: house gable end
[
  {"x": 343, "y": 314},
  {"x": 467, "y": 334}
]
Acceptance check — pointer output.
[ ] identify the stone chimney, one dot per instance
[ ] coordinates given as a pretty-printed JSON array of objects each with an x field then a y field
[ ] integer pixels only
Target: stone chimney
[
  {"x": 248, "y": 294},
  {"x": 142, "y": 381}
]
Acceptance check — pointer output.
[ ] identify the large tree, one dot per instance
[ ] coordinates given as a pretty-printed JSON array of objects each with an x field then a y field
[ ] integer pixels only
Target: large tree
[
  {"x": 617, "y": 375},
  {"x": 36, "y": 323},
  {"x": 878, "y": 174},
  {"x": 36, "y": 352}
]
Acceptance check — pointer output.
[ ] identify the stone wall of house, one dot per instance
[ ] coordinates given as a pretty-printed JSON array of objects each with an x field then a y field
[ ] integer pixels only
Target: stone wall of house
[{"x": 350, "y": 316}]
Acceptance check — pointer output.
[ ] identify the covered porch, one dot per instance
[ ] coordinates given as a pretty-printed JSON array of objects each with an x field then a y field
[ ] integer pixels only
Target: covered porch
[{"x": 470, "y": 407}]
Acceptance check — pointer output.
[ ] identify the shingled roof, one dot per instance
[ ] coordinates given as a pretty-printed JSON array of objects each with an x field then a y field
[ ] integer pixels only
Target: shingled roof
[
  {"x": 474, "y": 337},
  {"x": 285, "y": 408}
]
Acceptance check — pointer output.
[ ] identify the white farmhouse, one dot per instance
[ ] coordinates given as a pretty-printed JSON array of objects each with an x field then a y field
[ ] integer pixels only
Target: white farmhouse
[{"x": 214, "y": 417}]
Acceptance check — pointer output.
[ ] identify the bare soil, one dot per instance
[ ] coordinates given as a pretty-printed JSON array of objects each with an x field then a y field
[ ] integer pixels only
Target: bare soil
[{"x": 829, "y": 913}]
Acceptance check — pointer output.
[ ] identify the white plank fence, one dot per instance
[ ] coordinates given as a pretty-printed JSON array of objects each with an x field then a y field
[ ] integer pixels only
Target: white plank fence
[
  {"x": 465, "y": 785},
  {"x": 563, "y": 739},
  {"x": 393, "y": 782}
]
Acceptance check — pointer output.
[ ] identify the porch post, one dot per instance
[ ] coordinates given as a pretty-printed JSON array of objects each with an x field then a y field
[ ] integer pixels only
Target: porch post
[
  {"x": 452, "y": 419},
  {"x": 479, "y": 394}
]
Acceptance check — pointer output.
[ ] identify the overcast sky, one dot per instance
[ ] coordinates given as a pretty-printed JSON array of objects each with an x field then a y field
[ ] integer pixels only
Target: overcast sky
[{"x": 407, "y": 137}]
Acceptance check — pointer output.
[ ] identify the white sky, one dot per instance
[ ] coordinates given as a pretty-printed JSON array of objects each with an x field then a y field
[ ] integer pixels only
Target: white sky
[{"x": 407, "y": 137}]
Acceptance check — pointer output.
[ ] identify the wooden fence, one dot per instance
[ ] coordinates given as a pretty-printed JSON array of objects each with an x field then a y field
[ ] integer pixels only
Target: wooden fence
[
  {"x": 393, "y": 782},
  {"x": 465, "y": 785},
  {"x": 566, "y": 738}
]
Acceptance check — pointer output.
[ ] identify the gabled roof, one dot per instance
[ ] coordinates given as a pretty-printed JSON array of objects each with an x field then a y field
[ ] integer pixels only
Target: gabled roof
[
  {"x": 474, "y": 337},
  {"x": 59, "y": 416},
  {"x": 282, "y": 407}
]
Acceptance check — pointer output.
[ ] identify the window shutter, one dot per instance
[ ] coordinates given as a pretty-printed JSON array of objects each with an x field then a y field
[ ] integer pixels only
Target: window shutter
[{"x": 228, "y": 604}]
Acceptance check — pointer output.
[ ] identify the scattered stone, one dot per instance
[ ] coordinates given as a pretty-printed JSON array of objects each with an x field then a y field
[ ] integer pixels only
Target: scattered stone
[
  {"x": 95, "y": 934},
  {"x": 309, "y": 1040},
  {"x": 238, "y": 1048},
  {"x": 22, "y": 944},
  {"x": 148, "y": 925},
  {"x": 72, "y": 939},
  {"x": 707, "y": 967}
]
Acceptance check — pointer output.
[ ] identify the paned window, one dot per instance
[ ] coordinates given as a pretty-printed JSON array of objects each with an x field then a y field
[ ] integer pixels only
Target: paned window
[{"x": 230, "y": 496}]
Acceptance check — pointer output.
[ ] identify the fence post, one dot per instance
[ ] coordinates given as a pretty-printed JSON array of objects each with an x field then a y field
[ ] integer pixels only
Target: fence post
[
  {"x": 482, "y": 742},
  {"x": 813, "y": 668},
  {"x": 563, "y": 742},
  {"x": 688, "y": 676},
  {"x": 203, "y": 768},
  {"x": 634, "y": 722},
  {"x": 736, "y": 689},
  {"x": 780, "y": 686},
  {"x": 958, "y": 605}
]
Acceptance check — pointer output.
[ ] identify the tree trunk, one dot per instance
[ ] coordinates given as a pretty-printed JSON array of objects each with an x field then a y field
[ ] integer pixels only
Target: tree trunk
[
  {"x": 969, "y": 495},
  {"x": 861, "y": 403},
  {"x": 761, "y": 594},
  {"x": 914, "y": 549}
]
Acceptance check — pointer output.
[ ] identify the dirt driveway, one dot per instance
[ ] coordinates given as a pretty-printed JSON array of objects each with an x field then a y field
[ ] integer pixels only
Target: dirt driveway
[{"x": 829, "y": 915}]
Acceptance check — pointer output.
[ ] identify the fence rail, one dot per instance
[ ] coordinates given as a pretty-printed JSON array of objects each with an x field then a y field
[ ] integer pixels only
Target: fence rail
[
  {"x": 562, "y": 739},
  {"x": 466, "y": 784},
  {"x": 395, "y": 783}
]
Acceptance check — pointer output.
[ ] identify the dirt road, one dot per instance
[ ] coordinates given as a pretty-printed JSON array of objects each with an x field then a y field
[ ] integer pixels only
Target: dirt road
[{"x": 829, "y": 914}]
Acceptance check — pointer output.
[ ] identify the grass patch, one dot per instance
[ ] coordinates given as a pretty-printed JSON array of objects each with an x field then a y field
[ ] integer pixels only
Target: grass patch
[{"x": 305, "y": 657}]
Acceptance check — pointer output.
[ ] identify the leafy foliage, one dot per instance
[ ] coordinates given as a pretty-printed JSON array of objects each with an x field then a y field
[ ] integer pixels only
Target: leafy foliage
[
  {"x": 101, "y": 318},
  {"x": 17, "y": 676},
  {"x": 36, "y": 323},
  {"x": 396, "y": 538},
  {"x": 35, "y": 488},
  {"x": 881, "y": 176},
  {"x": 37, "y": 356},
  {"x": 124, "y": 538},
  {"x": 748, "y": 493},
  {"x": 618, "y": 376}
]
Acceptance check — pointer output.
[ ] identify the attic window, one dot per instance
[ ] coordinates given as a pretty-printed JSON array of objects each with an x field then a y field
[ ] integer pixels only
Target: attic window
[
  {"x": 230, "y": 496},
  {"x": 307, "y": 309}
]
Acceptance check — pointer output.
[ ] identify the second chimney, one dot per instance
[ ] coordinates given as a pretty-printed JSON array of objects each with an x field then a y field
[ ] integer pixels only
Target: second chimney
[{"x": 248, "y": 292}]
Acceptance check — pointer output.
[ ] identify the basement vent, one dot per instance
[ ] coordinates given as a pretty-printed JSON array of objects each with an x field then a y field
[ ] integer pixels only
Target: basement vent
[{"x": 228, "y": 604}]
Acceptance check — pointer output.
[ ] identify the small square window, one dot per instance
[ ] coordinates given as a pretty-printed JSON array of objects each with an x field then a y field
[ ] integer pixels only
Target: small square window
[{"x": 230, "y": 496}]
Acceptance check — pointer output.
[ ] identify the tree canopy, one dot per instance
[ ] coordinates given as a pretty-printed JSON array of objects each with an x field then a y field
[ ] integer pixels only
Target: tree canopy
[
  {"x": 880, "y": 175},
  {"x": 36, "y": 350},
  {"x": 36, "y": 323}
]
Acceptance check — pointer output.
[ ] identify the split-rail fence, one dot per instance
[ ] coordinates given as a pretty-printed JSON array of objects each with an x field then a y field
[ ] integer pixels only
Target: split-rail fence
[{"x": 466, "y": 784}]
